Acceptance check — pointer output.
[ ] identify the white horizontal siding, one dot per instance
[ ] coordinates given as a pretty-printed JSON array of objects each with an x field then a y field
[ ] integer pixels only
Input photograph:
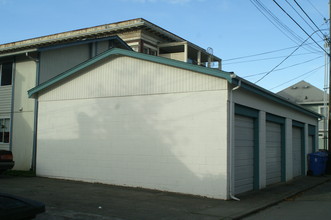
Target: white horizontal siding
[
  {"x": 125, "y": 76},
  {"x": 5, "y": 99},
  {"x": 4, "y": 147}
]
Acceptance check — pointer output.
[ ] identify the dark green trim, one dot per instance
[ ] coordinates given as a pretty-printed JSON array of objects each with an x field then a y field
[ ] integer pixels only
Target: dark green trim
[
  {"x": 298, "y": 124},
  {"x": 120, "y": 52},
  {"x": 275, "y": 118},
  {"x": 271, "y": 96},
  {"x": 246, "y": 111}
]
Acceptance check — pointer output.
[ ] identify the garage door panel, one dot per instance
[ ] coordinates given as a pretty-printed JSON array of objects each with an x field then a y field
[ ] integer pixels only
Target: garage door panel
[
  {"x": 296, "y": 150},
  {"x": 272, "y": 169},
  {"x": 244, "y": 154},
  {"x": 273, "y": 152},
  {"x": 242, "y": 131},
  {"x": 243, "y": 187},
  {"x": 244, "y": 162},
  {"x": 244, "y": 173},
  {"x": 244, "y": 143}
]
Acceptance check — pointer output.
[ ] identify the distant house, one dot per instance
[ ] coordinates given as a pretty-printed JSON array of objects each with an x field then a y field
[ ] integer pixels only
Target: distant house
[{"x": 312, "y": 98}]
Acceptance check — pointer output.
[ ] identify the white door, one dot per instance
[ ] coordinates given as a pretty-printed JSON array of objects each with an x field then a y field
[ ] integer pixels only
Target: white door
[
  {"x": 273, "y": 153},
  {"x": 296, "y": 151},
  {"x": 244, "y": 154}
]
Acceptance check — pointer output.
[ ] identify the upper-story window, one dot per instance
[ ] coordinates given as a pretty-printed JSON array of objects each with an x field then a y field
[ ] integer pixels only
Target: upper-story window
[
  {"x": 150, "y": 51},
  {"x": 6, "y": 73}
]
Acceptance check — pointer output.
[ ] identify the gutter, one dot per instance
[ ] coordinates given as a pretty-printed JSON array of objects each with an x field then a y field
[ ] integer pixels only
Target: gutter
[{"x": 17, "y": 53}]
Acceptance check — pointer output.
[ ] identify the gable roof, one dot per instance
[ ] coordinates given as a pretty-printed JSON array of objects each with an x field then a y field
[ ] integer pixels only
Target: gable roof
[
  {"x": 120, "y": 52},
  {"x": 302, "y": 92}
]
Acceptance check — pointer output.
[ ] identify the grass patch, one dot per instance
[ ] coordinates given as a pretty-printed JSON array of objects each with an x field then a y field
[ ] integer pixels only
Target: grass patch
[{"x": 22, "y": 173}]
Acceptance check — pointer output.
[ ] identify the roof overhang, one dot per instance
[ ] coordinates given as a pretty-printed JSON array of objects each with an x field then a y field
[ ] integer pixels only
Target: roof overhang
[
  {"x": 87, "y": 33},
  {"x": 237, "y": 81}
]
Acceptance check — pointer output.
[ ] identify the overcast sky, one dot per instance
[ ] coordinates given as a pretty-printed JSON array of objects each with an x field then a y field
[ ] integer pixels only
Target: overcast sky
[{"x": 232, "y": 28}]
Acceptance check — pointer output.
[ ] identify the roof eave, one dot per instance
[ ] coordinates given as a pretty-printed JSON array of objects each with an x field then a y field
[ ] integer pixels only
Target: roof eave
[{"x": 237, "y": 81}]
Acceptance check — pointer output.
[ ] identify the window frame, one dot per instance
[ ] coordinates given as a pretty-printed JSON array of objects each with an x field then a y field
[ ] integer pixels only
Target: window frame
[
  {"x": 1, "y": 73},
  {"x": 2, "y": 130}
]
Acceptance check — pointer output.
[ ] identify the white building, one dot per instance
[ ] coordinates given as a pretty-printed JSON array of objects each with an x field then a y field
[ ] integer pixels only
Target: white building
[
  {"x": 132, "y": 119},
  {"x": 28, "y": 63}
]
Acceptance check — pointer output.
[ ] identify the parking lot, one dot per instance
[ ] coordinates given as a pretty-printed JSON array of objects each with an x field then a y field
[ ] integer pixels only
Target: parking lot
[
  {"x": 77, "y": 200},
  {"x": 66, "y": 200}
]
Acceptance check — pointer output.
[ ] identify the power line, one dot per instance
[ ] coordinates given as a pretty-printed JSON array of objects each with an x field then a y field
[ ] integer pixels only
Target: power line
[
  {"x": 300, "y": 26},
  {"x": 277, "y": 23},
  {"x": 309, "y": 17},
  {"x": 316, "y": 9},
  {"x": 304, "y": 19},
  {"x": 263, "y": 53},
  {"x": 268, "y": 58},
  {"x": 298, "y": 77},
  {"x": 284, "y": 59},
  {"x": 296, "y": 64}
]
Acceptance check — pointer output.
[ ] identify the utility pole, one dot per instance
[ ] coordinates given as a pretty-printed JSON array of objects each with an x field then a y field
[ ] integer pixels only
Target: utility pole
[{"x": 329, "y": 126}]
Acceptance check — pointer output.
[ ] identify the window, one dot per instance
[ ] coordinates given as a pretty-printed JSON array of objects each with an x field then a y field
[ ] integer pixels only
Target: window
[
  {"x": 4, "y": 130},
  {"x": 6, "y": 73},
  {"x": 149, "y": 51}
]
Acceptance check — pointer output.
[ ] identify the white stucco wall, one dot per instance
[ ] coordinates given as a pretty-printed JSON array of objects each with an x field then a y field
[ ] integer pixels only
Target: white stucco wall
[{"x": 162, "y": 128}]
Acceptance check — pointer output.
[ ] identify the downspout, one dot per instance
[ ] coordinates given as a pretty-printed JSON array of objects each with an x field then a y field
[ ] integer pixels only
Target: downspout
[{"x": 231, "y": 138}]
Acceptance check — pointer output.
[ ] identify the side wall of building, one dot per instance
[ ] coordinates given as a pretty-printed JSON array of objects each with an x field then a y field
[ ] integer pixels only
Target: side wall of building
[
  {"x": 23, "y": 113},
  {"x": 137, "y": 123}
]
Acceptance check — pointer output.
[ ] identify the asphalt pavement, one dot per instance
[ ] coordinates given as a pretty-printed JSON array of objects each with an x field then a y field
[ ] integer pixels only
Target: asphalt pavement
[
  {"x": 66, "y": 200},
  {"x": 312, "y": 204}
]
